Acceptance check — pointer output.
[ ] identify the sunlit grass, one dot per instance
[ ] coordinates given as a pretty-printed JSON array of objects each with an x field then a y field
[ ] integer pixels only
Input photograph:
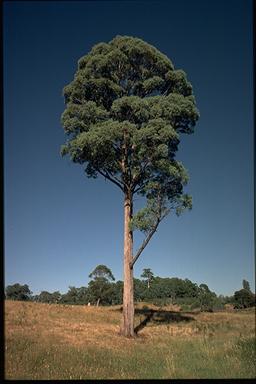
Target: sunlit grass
[{"x": 78, "y": 342}]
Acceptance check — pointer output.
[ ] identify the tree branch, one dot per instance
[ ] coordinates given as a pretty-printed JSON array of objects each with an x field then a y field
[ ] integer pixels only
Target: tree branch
[
  {"x": 160, "y": 216},
  {"x": 113, "y": 179},
  {"x": 144, "y": 244},
  {"x": 139, "y": 188}
]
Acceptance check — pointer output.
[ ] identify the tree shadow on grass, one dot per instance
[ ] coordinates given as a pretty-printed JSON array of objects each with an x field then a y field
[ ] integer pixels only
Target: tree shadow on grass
[{"x": 159, "y": 316}]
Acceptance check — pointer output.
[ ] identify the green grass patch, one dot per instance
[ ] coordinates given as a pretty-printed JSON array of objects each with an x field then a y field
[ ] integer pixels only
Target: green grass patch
[
  {"x": 183, "y": 359},
  {"x": 28, "y": 360}
]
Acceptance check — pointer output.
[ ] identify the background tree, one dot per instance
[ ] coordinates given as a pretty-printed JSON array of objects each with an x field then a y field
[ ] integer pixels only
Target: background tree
[
  {"x": 117, "y": 293},
  {"x": 83, "y": 296},
  {"x": 102, "y": 272},
  {"x": 206, "y": 298},
  {"x": 47, "y": 297},
  {"x": 244, "y": 299},
  {"x": 125, "y": 111},
  {"x": 100, "y": 287},
  {"x": 246, "y": 285},
  {"x": 56, "y": 296},
  {"x": 148, "y": 275},
  {"x": 71, "y": 297},
  {"x": 139, "y": 290},
  {"x": 18, "y": 292},
  {"x": 44, "y": 297},
  {"x": 191, "y": 289}
]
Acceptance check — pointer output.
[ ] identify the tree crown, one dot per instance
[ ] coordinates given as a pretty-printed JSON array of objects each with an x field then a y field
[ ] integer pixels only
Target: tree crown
[
  {"x": 102, "y": 272},
  {"x": 147, "y": 274},
  {"x": 125, "y": 111}
]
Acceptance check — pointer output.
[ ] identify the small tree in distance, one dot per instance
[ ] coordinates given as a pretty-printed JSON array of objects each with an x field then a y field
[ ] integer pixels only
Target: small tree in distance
[
  {"x": 246, "y": 285},
  {"x": 102, "y": 272},
  {"x": 244, "y": 298},
  {"x": 148, "y": 275},
  {"x": 99, "y": 286},
  {"x": 125, "y": 111},
  {"x": 206, "y": 298}
]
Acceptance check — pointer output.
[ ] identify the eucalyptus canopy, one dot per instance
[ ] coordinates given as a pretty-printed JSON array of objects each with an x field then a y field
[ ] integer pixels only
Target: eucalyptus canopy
[{"x": 126, "y": 108}]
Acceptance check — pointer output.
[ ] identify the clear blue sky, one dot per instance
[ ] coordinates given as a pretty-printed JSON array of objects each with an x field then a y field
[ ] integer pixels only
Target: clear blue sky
[{"x": 59, "y": 225}]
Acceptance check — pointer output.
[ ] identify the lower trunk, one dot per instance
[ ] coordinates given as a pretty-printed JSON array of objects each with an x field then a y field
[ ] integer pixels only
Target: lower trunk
[{"x": 127, "y": 326}]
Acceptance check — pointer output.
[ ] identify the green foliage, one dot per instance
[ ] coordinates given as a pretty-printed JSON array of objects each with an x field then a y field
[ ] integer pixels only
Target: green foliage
[
  {"x": 139, "y": 290},
  {"x": 18, "y": 292},
  {"x": 153, "y": 289},
  {"x": 70, "y": 296},
  {"x": 246, "y": 285},
  {"x": 148, "y": 275},
  {"x": 244, "y": 299},
  {"x": 206, "y": 298},
  {"x": 100, "y": 289},
  {"x": 75, "y": 296},
  {"x": 188, "y": 303},
  {"x": 125, "y": 111},
  {"x": 102, "y": 272},
  {"x": 114, "y": 294},
  {"x": 47, "y": 297}
]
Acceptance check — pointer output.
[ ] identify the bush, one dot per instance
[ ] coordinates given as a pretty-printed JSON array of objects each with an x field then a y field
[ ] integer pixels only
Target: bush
[
  {"x": 244, "y": 299},
  {"x": 18, "y": 292},
  {"x": 161, "y": 302},
  {"x": 188, "y": 303}
]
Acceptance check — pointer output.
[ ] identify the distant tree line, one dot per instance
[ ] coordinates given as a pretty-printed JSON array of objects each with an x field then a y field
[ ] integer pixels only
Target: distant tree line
[{"x": 102, "y": 290}]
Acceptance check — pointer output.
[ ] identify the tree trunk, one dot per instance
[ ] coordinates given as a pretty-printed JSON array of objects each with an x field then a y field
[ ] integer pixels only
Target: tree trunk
[{"x": 127, "y": 326}]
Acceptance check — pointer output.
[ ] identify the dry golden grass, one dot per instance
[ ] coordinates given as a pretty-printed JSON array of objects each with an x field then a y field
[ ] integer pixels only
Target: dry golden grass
[
  {"x": 76, "y": 325},
  {"x": 70, "y": 332},
  {"x": 83, "y": 325}
]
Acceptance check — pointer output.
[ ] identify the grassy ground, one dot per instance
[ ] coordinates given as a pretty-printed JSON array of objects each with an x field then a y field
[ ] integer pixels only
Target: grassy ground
[{"x": 78, "y": 342}]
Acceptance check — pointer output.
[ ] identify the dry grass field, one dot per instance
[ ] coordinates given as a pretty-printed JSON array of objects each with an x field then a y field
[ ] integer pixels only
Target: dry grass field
[{"x": 79, "y": 342}]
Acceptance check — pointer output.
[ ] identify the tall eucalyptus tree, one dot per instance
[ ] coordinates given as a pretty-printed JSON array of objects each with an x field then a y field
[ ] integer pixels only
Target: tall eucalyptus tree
[{"x": 125, "y": 111}]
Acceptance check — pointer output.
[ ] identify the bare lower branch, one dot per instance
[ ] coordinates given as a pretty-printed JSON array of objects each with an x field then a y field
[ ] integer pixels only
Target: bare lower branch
[
  {"x": 161, "y": 215},
  {"x": 144, "y": 244}
]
